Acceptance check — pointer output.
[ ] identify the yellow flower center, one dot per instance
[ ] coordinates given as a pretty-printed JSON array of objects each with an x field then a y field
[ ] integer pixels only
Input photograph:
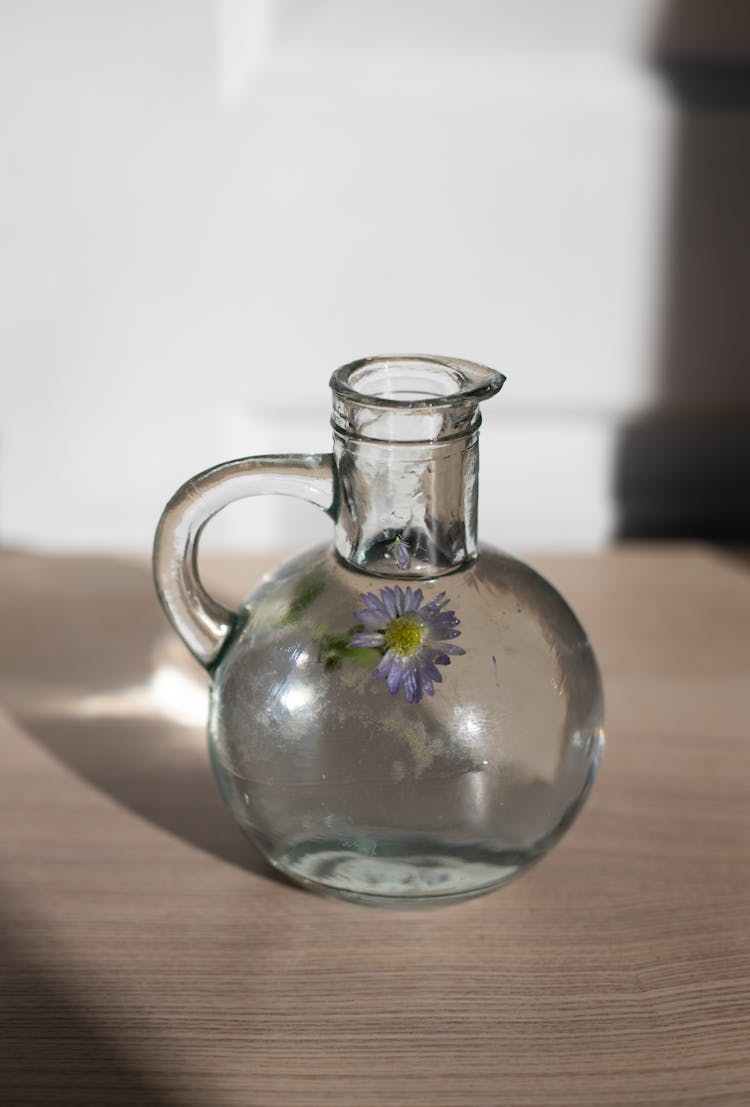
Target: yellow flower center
[{"x": 404, "y": 635}]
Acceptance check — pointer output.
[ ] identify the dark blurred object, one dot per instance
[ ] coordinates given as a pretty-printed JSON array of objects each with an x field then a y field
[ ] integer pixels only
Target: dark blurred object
[
  {"x": 683, "y": 469},
  {"x": 684, "y": 477}
]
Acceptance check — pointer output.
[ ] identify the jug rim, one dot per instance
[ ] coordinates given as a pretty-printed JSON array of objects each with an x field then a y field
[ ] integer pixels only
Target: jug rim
[{"x": 426, "y": 380}]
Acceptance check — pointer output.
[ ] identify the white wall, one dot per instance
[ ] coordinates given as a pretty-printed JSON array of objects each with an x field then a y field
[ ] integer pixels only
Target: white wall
[{"x": 206, "y": 207}]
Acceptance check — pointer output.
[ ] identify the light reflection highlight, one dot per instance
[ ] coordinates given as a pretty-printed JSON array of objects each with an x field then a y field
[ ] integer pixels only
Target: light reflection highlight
[
  {"x": 297, "y": 696},
  {"x": 170, "y": 693}
]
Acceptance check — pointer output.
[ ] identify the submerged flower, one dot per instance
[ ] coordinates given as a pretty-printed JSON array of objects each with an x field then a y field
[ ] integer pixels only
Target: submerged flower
[
  {"x": 415, "y": 638},
  {"x": 400, "y": 552}
]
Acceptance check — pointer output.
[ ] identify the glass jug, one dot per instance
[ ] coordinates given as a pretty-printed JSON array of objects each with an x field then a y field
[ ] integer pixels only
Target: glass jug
[{"x": 403, "y": 718}]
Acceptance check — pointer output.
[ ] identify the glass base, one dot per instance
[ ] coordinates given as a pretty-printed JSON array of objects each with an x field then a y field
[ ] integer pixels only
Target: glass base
[{"x": 401, "y": 875}]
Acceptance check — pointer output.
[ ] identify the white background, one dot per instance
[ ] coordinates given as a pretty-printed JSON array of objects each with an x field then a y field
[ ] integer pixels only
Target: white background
[{"x": 207, "y": 207}]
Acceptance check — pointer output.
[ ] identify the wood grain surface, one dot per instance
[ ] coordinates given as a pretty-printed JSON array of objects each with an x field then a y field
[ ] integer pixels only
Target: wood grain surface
[{"x": 149, "y": 957}]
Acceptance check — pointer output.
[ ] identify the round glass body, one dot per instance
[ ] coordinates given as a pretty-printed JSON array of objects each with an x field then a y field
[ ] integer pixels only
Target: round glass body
[{"x": 388, "y": 797}]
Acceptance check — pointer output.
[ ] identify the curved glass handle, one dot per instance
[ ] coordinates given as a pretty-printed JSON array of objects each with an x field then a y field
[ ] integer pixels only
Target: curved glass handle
[{"x": 204, "y": 624}]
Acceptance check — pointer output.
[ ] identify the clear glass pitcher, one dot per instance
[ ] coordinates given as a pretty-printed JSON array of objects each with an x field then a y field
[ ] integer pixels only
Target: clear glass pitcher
[{"x": 401, "y": 718}]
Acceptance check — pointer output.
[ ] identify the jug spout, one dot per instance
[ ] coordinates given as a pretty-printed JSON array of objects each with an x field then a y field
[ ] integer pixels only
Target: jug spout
[{"x": 406, "y": 448}]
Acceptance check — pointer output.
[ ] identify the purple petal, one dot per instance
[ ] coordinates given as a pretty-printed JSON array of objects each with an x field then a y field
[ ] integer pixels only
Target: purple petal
[
  {"x": 442, "y": 615},
  {"x": 384, "y": 667},
  {"x": 443, "y": 622},
  {"x": 435, "y": 604},
  {"x": 371, "y": 619},
  {"x": 413, "y": 685},
  {"x": 444, "y": 619},
  {"x": 397, "y": 675},
  {"x": 425, "y": 669},
  {"x": 430, "y": 669},
  {"x": 443, "y": 635},
  {"x": 455, "y": 651},
  {"x": 389, "y": 602},
  {"x": 403, "y": 557},
  {"x": 435, "y": 615},
  {"x": 371, "y": 601},
  {"x": 365, "y": 641},
  {"x": 415, "y": 600}
]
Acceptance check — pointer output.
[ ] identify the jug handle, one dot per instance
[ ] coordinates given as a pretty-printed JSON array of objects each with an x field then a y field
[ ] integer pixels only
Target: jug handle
[{"x": 202, "y": 622}]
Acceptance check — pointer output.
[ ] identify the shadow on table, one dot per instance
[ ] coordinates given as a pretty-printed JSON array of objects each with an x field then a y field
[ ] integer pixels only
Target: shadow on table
[
  {"x": 92, "y": 672},
  {"x": 53, "y": 1053}
]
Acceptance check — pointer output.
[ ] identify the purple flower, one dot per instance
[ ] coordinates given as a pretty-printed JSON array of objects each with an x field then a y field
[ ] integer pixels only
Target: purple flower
[
  {"x": 414, "y": 637},
  {"x": 401, "y": 553}
]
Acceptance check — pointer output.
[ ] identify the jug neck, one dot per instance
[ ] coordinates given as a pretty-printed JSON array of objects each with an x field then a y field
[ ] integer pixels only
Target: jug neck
[{"x": 406, "y": 443}]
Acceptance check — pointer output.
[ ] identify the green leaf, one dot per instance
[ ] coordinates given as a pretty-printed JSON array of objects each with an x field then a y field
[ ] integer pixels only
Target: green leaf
[
  {"x": 334, "y": 649},
  {"x": 305, "y": 594}
]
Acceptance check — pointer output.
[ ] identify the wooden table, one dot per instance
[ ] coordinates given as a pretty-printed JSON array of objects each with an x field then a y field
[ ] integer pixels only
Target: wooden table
[{"x": 149, "y": 957}]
